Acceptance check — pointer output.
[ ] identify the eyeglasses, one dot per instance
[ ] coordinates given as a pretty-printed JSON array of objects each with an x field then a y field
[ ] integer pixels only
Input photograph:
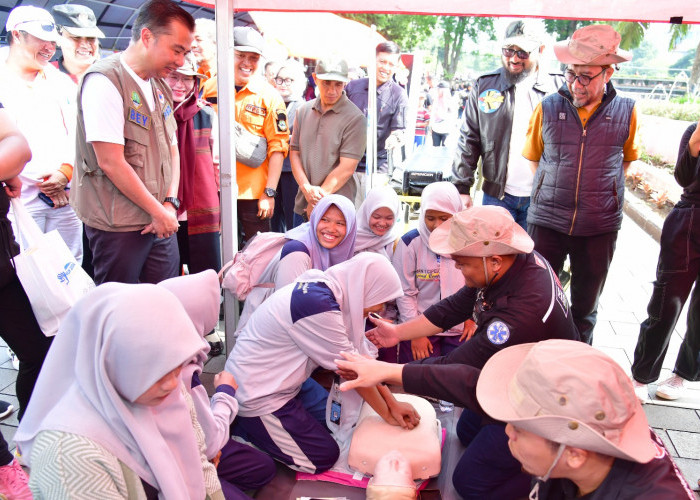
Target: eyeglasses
[
  {"x": 180, "y": 78},
  {"x": 512, "y": 52},
  {"x": 284, "y": 81},
  {"x": 49, "y": 27},
  {"x": 584, "y": 80}
]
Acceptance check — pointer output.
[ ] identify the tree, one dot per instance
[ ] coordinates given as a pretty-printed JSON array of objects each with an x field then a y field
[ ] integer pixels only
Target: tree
[
  {"x": 633, "y": 35},
  {"x": 407, "y": 31},
  {"x": 454, "y": 31},
  {"x": 562, "y": 29},
  {"x": 678, "y": 33}
]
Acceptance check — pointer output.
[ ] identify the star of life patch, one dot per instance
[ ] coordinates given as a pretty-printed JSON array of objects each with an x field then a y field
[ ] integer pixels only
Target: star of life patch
[
  {"x": 498, "y": 332},
  {"x": 490, "y": 100}
]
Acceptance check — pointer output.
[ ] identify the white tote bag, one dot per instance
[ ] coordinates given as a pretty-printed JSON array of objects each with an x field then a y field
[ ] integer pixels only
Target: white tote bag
[{"x": 50, "y": 275}]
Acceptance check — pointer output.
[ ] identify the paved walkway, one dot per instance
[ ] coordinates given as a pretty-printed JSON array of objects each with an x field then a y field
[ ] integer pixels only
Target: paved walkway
[{"x": 622, "y": 308}]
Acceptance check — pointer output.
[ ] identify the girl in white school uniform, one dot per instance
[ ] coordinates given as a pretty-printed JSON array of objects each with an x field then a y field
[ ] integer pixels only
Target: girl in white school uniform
[
  {"x": 301, "y": 327},
  {"x": 327, "y": 239},
  {"x": 425, "y": 276},
  {"x": 378, "y": 232},
  {"x": 109, "y": 417}
]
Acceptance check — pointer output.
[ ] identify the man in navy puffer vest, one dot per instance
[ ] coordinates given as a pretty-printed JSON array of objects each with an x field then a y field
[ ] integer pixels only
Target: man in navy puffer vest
[{"x": 580, "y": 142}]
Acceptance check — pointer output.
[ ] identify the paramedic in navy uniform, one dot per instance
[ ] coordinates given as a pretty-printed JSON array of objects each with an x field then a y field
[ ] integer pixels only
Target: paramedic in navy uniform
[{"x": 514, "y": 297}]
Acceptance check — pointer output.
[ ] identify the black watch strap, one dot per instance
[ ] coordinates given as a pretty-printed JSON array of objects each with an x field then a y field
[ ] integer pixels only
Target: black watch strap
[{"x": 173, "y": 201}]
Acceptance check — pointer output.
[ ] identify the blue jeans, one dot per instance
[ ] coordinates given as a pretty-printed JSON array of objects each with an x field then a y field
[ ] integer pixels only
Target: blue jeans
[{"x": 516, "y": 205}]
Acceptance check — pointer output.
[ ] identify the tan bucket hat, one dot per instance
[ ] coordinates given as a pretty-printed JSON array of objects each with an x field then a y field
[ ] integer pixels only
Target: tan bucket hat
[
  {"x": 568, "y": 392},
  {"x": 593, "y": 45},
  {"x": 189, "y": 67},
  {"x": 481, "y": 231}
]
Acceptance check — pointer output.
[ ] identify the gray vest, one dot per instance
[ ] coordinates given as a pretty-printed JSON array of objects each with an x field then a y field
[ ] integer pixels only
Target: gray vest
[{"x": 579, "y": 185}]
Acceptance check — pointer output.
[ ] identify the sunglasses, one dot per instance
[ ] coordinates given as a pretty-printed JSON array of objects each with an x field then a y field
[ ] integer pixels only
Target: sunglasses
[
  {"x": 284, "y": 81},
  {"x": 512, "y": 52},
  {"x": 584, "y": 80}
]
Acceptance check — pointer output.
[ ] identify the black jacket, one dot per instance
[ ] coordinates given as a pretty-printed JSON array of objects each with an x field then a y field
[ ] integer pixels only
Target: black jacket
[
  {"x": 526, "y": 305},
  {"x": 485, "y": 132}
]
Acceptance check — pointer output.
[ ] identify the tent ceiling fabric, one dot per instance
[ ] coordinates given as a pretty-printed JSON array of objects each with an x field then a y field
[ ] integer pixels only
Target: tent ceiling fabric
[
  {"x": 326, "y": 34},
  {"x": 114, "y": 17},
  {"x": 613, "y": 10}
]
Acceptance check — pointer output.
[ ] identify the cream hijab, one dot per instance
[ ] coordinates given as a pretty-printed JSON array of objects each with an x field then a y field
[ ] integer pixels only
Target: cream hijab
[
  {"x": 367, "y": 241},
  {"x": 113, "y": 345}
]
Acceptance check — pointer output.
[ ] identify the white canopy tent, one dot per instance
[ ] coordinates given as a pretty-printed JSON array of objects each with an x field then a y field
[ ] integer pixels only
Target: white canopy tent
[{"x": 661, "y": 11}]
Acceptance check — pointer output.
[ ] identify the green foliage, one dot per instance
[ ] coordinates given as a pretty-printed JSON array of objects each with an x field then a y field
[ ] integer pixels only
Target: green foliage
[
  {"x": 684, "y": 111},
  {"x": 686, "y": 99},
  {"x": 407, "y": 31},
  {"x": 678, "y": 33},
  {"x": 454, "y": 31},
  {"x": 632, "y": 33},
  {"x": 684, "y": 62},
  {"x": 563, "y": 28}
]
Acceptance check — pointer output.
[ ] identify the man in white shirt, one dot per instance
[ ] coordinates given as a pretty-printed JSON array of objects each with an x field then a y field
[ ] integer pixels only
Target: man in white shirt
[
  {"x": 41, "y": 101},
  {"x": 127, "y": 159}
]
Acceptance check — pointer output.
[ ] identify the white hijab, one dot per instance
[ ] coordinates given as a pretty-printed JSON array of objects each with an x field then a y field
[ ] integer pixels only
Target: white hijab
[
  {"x": 367, "y": 241},
  {"x": 113, "y": 345},
  {"x": 444, "y": 197},
  {"x": 365, "y": 280},
  {"x": 440, "y": 196}
]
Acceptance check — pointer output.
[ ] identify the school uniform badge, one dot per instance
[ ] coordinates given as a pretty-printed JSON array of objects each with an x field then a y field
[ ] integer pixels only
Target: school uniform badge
[
  {"x": 136, "y": 99},
  {"x": 490, "y": 100},
  {"x": 161, "y": 97},
  {"x": 498, "y": 332}
]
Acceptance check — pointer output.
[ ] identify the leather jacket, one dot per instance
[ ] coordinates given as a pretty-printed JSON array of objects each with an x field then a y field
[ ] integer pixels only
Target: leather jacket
[{"x": 485, "y": 132}]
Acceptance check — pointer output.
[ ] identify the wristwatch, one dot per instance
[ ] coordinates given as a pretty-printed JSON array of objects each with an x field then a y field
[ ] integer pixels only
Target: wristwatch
[
  {"x": 173, "y": 201},
  {"x": 270, "y": 192}
]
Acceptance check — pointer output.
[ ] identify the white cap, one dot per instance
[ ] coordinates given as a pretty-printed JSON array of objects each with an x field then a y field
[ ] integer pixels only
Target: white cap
[{"x": 35, "y": 21}]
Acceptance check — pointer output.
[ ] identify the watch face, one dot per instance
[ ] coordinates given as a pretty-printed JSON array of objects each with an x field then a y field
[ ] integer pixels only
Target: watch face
[{"x": 270, "y": 192}]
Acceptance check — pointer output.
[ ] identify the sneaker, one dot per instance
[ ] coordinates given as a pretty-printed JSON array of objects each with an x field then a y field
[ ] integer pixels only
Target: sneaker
[
  {"x": 6, "y": 409},
  {"x": 215, "y": 343},
  {"x": 642, "y": 391},
  {"x": 14, "y": 482},
  {"x": 14, "y": 358},
  {"x": 671, "y": 389}
]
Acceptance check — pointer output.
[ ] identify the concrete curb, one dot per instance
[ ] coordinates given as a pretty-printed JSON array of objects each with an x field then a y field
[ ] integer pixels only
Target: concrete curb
[{"x": 637, "y": 210}]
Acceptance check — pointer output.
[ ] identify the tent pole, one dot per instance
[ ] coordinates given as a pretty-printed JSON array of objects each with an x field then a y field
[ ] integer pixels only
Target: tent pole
[
  {"x": 371, "y": 150},
  {"x": 224, "y": 11}
]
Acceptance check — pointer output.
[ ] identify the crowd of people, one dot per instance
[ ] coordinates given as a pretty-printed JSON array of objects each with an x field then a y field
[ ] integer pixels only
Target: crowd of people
[{"x": 120, "y": 155}]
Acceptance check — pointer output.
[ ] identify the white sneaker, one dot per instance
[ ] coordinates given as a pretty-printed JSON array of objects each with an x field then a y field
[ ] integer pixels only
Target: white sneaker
[
  {"x": 14, "y": 358},
  {"x": 642, "y": 391},
  {"x": 671, "y": 389}
]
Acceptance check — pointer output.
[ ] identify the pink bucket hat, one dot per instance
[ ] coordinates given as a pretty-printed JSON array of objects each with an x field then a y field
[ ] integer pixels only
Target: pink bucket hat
[
  {"x": 568, "y": 392},
  {"x": 481, "y": 231},
  {"x": 593, "y": 45}
]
